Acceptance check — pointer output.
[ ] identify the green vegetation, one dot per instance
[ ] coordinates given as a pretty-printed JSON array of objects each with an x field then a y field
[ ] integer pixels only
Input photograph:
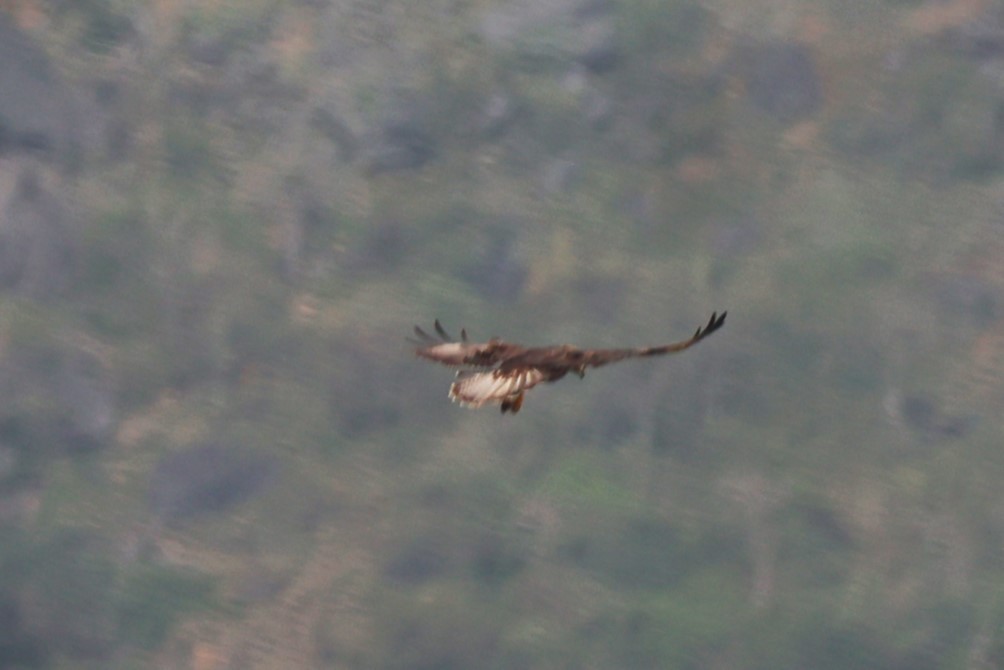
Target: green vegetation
[{"x": 152, "y": 599}]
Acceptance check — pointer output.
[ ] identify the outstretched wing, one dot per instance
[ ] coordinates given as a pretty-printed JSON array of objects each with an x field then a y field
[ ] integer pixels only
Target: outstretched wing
[
  {"x": 477, "y": 389},
  {"x": 597, "y": 357},
  {"x": 448, "y": 351}
]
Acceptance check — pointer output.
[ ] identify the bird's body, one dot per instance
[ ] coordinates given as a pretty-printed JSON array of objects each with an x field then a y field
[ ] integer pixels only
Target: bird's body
[{"x": 498, "y": 371}]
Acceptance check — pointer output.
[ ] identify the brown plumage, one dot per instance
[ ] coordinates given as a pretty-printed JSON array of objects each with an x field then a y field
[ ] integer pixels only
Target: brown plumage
[{"x": 497, "y": 371}]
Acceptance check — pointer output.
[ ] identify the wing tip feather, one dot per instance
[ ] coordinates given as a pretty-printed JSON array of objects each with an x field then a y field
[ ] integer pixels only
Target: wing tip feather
[
  {"x": 714, "y": 323},
  {"x": 440, "y": 331}
]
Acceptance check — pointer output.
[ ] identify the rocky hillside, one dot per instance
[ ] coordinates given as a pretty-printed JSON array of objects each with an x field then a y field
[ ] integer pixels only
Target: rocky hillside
[{"x": 220, "y": 219}]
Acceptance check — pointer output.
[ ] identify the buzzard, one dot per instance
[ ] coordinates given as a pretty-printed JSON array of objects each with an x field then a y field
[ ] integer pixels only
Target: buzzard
[{"x": 498, "y": 371}]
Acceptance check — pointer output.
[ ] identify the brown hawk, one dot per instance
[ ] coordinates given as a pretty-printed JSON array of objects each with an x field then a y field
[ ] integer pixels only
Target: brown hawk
[{"x": 497, "y": 371}]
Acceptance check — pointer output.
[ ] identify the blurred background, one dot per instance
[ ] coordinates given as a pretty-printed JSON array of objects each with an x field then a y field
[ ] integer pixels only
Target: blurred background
[{"x": 219, "y": 219}]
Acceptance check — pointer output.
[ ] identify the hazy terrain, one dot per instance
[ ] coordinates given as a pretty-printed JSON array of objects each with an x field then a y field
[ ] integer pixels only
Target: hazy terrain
[{"x": 219, "y": 219}]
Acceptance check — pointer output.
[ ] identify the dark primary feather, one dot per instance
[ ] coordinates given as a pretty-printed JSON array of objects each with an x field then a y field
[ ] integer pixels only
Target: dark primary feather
[
  {"x": 425, "y": 338},
  {"x": 442, "y": 332},
  {"x": 713, "y": 324}
]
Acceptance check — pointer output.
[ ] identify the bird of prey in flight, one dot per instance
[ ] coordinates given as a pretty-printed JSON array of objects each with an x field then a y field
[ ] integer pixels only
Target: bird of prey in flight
[{"x": 502, "y": 372}]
